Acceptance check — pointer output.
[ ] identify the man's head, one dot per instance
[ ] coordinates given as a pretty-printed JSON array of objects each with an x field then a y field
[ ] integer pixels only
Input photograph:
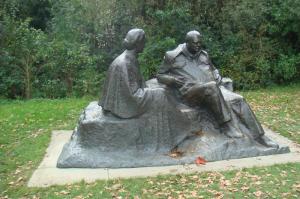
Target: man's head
[
  {"x": 193, "y": 41},
  {"x": 135, "y": 40}
]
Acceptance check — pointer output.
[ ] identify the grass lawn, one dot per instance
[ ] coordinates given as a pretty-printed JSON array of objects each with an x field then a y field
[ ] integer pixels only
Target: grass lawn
[{"x": 25, "y": 129}]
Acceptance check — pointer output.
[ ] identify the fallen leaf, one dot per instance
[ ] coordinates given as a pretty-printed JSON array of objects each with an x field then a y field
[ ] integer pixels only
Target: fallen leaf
[
  {"x": 195, "y": 177},
  {"x": 116, "y": 186},
  {"x": 11, "y": 183},
  {"x": 225, "y": 183},
  {"x": 181, "y": 196},
  {"x": 285, "y": 194},
  {"x": 283, "y": 182},
  {"x": 144, "y": 191},
  {"x": 17, "y": 171},
  {"x": 35, "y": 197},
  {"x": 63, "y": 192},
  {"x": 297, "y": 186},
  {"x": 258, "y": 193},
  {"x": 217, "y": 194},
  {"x": 78, "y": 197},
  {"x": 194, "y": 193},
  {"x": 244, "y": 188},
  {"x": 233, "y": 189},
  {"x": 175, "y": 154},
  {"x": 199, "y": 160},
  {"x": 199, "y": 133},
  {"x": 20, "y": 179},
  {"x": 258, "y": 183}
]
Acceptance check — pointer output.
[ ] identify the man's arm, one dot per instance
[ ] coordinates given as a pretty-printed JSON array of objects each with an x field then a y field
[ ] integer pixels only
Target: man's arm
[
  {"x": 164, "y": 75},
  {"x": 226, "y": 82},
  {"x": 170, "y": 80},
  {"x": 215, "y": 71},
  {"x": 217, "y": 76}
]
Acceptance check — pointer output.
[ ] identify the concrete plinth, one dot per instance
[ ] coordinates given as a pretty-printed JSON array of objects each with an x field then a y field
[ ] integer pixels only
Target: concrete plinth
[{"x": 48, "y": 174}]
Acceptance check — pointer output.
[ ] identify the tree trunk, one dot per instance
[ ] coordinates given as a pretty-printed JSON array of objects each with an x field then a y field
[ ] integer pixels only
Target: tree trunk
[
  {"x": 69, "y": 81},
  {"x": 143, "y": 9},
  {"x": 27, "y": 81}
]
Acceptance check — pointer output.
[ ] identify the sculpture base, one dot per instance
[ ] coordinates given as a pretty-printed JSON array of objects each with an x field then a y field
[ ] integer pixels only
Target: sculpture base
[{"x": 88, "y": 148}]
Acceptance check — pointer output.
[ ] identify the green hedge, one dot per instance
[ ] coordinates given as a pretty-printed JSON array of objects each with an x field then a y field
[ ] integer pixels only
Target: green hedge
[{"x": 62, "y": 48}]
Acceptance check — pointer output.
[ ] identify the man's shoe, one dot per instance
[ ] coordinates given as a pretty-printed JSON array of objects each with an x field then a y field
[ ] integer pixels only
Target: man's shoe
[{"x": 264, "y": 140}]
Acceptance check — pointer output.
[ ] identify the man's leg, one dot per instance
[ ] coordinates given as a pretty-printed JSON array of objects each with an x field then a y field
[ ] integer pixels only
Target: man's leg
[
  {"x": 248, "y": 118},
  {"x": 210, "y": 95},
  {"x": 215, "y": 100}
]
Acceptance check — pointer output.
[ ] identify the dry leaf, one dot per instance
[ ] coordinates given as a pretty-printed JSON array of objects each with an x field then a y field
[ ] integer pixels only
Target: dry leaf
[
  {"x": 17, "y": 171},
  {"x": 63, "y": 192},
  {"x": 199, "y": 161},
  {"x": 199, "y": 133},
  {"x": 20, "y": 179},
  {"x": 194, "y": 193},
  {"x": 144, "y": 191},
  {"x": 244, "y": 188},
  {"x": 175, "y": 154},
  {"x": 181, "y": 196},
  {"x": 225, "y": 183},
  {"x": 258, "y": 183},
  {"x": 195, "y": 177},
  {"x": 258, "y": 193},
  {"x": 11, "y": 183},
  {"x": 233, "y": 189},
  {"x": 297, "y": 186},
  {"x": 116, "y": 186},
  {"x": 78, "y": 197}
]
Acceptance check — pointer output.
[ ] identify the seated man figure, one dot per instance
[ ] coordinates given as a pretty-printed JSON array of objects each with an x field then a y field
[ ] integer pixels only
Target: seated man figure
[{"x": 189, "y": 71}]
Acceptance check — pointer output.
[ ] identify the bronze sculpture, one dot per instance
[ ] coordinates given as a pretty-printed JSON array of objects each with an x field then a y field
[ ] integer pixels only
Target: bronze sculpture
[{"x": 189, "y": 110}]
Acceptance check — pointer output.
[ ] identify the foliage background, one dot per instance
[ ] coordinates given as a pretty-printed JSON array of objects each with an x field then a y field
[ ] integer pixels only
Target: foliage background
[{"x": 60, "y": 48}]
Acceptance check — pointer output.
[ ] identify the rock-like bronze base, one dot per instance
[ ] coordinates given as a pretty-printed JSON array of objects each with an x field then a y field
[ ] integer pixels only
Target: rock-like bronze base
[{"x": 104, "y": 141}]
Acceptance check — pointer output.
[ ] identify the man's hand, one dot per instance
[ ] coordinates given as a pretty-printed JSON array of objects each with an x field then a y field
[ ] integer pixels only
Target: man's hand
[
  {"x": 217, "y": 76},
  {"x": 179, "y": 81}
]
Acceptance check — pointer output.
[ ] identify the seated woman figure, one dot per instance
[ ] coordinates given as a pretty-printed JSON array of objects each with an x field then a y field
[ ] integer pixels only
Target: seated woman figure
[{"x": 126, "y": 96}]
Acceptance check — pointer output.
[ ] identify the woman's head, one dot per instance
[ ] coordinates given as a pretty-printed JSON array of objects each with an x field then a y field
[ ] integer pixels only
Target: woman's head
[{"x": 135, "y": 39}]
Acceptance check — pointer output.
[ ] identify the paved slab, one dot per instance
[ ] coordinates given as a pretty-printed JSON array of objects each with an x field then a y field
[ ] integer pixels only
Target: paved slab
[{"x": 47, "y": 174}]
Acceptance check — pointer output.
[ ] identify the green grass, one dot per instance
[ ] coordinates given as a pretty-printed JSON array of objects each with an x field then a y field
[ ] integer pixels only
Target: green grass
[
  {"x": 25, "y": 128},
  {"x": 278, "y": 108}
]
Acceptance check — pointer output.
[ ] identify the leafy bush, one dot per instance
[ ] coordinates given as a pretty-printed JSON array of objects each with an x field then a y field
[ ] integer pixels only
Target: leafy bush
[
  {"x": 256, "y": 43},
  {"x": 287, "y": 67},
  {"x": 151, "y": 58}
]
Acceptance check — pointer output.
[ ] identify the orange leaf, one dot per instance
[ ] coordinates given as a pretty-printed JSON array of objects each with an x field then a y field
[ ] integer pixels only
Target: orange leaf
[{"x": 199, "y": 160}]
